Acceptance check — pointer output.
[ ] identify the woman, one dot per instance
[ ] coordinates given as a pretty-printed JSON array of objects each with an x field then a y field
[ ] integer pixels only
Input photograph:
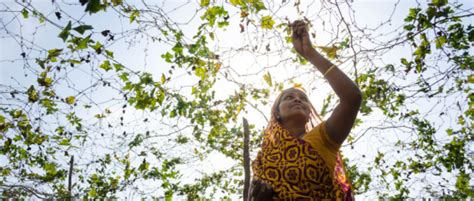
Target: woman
[{"x": 300, "y": 159}]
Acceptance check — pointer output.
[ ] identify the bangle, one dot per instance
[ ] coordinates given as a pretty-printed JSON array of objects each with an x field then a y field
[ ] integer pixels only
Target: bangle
[{"x": 327, "y": 71}]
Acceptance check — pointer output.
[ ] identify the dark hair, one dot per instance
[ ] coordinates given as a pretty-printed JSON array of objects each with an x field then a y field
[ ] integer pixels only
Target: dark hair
[{"x": 313, "y": 115}]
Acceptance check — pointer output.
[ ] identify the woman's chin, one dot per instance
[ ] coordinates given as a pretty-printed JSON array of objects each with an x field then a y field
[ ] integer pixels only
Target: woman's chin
[{"x": 299, "y": 116}]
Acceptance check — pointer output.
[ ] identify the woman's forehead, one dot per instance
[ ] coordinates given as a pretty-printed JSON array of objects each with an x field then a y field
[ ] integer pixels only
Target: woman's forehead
[{"x": 293, "y": 91}]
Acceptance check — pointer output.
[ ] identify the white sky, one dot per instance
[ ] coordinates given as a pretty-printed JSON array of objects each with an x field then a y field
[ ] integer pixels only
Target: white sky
[{"x": 143, "y": 55}]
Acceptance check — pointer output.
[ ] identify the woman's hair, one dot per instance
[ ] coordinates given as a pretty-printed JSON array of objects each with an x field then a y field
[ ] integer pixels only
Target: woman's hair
[{"x": 314, "y": 118}]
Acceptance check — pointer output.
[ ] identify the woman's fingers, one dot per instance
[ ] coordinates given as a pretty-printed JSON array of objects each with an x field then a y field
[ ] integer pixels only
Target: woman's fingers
[
  {"x": 296, "y": 25},
  {"x": 302, "y": 28},
  {"x": 300, "y": 24},
  {"x": 299, "y": 28},
  {"x": 295, "y": 34},
  {"x": 297, "y": 31}
]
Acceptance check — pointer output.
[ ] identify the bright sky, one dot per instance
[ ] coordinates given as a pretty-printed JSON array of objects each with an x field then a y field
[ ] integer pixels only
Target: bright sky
[{"x": 143, "y": 55}]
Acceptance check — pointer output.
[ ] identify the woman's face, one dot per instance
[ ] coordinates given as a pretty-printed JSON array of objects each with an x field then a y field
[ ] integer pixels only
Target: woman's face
[{"x": 294, "y": 104}]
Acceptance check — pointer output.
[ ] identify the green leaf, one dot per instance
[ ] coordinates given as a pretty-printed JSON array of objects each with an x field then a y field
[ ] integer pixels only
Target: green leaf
[
  {"x": 204, "y": 3},
  {"x": 73, "y": 61},
  {"x": 404, "y": 61},
  {"x": 222, "y": 24},
  {"x": 168, "y": 196},
  {"x": 258, "y": 5},
  {"x": 41, "y": 18},
  {"x": 144, "y": 166},
  {"x": 440, "y": 41},
  {"x": 163, "y": 78},
  {"x": 268, "y": 78},
  {"x": 106, "y": 65},
  {"x": 212, "y": 13},
  {"x": 81, "y": 43},
  {"x": 109, "y": 53},
  {"x": 53, "y": 53},
  {"x": 173, "y": 113},
  {"x": 70, "y": 100},
  {"x": 49, "y": 105},
  {"x": 6, "y": 171},
  {"x": 301, "y": 59},
  {"x": 160, "y": 97},
  {"x": 463, "y": 183},
  {"x": 178, "y": 48},
  {"x": 44, "y": 80},
  {"x": 124, "y": 76},
  {"x": 449, "y": 131},
  {"x": 24, "y": 12},
  {"x": 65, "y": 142},
  {"x": 409, "y": 27},
  {"x": 137, "y": 141},
  {"x": 65, "y": 32},
  {"x": 81, "y": 29},
  {"x": 267, "y": 22},
  {"x": 32, "y": 94},
  {"x": 389, "y": 68},
  {"x": 92, "y": 193},
  {"x": 408, "y": 65},
  {"x": 413, "y": 12},
  {"x": 16, "y": 114},
  {"x": 49, "y": 167},
  {"x": 470, "y": 78},
  {"x": 168, "y": 56},
  {"x": 182, "y": 139},
  {"x": 331, "y": 51},
  {"x": 134, "y": 15},
  {"x": 439, "y": 3},
  {"x": 116, "y": 2},
  {"x": 200, "y": 72},
  {"x": 97, "y": 47},
  {"x": 99, "y": 116},
  {"x": 430, "y": 12},
  {"x": 326, "y": 103},
  {"x": 94, "y": 6},
  {"x": 461, "y": 120},
  {"x": 237, "y": 2},
  {"x": 60, "y": 130},
  {"x": 118, "y": 67}
]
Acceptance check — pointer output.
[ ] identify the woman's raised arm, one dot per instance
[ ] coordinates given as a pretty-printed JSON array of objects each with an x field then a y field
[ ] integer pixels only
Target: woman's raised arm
[{"x": 339, "y": 124}]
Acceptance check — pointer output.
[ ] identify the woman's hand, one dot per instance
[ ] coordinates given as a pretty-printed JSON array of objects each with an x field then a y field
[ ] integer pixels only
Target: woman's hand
[
  {"x": 301, "y": 41},
  {"x": 260, "y": 191}
]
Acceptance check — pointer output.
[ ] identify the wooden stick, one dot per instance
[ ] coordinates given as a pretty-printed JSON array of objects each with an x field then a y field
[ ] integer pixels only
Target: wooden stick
[
  {"x": 71, "y": 163},
  {"x": 246, "y": 159}
]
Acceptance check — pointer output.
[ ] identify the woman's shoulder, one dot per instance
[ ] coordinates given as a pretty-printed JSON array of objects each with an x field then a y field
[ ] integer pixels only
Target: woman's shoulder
[
  {"x": 318, "y": 137},
  {"x": 321, "y": 143}
]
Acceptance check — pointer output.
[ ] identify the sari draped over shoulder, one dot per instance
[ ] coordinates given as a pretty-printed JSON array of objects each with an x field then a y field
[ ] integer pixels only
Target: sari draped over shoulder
[{"x": 297, "y": 170}]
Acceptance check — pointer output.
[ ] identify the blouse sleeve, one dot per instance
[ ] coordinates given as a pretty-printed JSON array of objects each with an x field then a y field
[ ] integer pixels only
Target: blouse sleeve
[
  {"x": 323, "y": 144},
  {"x": 331, "y": 144}
]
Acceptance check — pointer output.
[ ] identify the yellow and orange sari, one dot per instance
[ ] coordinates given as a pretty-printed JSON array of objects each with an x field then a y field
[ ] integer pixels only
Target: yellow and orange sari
[{"x": 307, "y": 168}]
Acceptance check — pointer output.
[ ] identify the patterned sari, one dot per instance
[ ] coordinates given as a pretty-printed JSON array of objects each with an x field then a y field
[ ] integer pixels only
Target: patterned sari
[{"x": 296, "y": 171}]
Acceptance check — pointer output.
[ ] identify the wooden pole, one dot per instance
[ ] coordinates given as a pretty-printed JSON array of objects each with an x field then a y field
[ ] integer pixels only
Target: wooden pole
[
  {"x": 246, "y": 159},
  {"x": 71, "y": 164}
]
